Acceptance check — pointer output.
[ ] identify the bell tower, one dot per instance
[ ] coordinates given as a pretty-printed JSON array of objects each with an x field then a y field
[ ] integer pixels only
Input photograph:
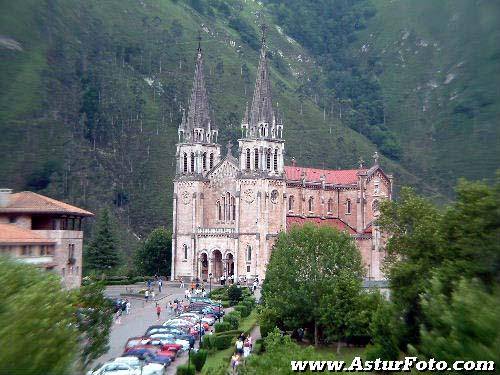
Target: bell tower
[{"x": 262, "y": 145}]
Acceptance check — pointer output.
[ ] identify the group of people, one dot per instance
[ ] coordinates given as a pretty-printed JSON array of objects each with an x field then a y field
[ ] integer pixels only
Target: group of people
[
  {"x": 243, "y": 348},
  {"x": 122, "y": 307}
]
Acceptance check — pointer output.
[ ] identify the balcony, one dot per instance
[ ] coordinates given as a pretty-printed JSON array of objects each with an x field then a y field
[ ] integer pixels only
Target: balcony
[
  {"x": 215, "y": 231},
  {"x": 38, "y": 260}
]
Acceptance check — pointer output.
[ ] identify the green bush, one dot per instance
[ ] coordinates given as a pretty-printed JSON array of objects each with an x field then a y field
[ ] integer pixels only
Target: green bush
[
  {"x": 234, "y": 294},
  {"x": 225, "y": 303},
  {"x": 244, "y": 310},
  {"x": 222, "y": 327},
  {"x": 186, "y": 370},
  {"x": 248, "y": 303},
  {"x": 223, "y": 342},
  {"x": 258, "y": 346},
  {"x": 208, "y": 342},
  {"x": 233, "y": 320},
  {"x": 198, "y": 359},
  {"x": 233, "y": 332}
]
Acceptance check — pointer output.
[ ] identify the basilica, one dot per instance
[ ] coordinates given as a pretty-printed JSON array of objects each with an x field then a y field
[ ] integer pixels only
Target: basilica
[{"x": 229, "y": 209}]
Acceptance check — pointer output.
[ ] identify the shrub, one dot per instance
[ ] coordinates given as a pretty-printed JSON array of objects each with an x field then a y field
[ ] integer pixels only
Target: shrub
[
  {"x": 198, "y": 359},
  {"x": 225, "y": 303},
  {"x": 248, "y": 303},
  {"x": 244, "y": 310},
  {"x": 222, "y": 327},
  {"x": 233, "y": 320},
  {"x": 233, "y": 332},
  {"x": 208, "y": 342},
  {"x": 234, "y": 294},
  {"x": 223, "y": 342},
  {"x": 186, "y": 370}
]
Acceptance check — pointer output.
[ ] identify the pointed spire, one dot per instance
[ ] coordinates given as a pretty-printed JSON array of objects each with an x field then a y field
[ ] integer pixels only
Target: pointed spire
[
  {"x": 261, "y": 110},
  {"x": 198, "y": 115}
]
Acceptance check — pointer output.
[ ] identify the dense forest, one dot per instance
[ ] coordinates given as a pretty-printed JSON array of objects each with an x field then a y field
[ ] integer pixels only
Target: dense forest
[{"x": 92, "y": 92}]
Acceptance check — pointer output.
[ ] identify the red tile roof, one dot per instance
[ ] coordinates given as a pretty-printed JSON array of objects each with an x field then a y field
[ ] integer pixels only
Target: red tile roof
[
  {"x": 332, "y": 176},
  {"x": 11, "y": 234},
  {"x": 333, "y": 222},
  {"x": 29, "y": 202}
]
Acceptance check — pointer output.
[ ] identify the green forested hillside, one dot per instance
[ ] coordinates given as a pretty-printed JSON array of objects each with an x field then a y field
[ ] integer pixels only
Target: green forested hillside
[{"x": 92, "y": 91}]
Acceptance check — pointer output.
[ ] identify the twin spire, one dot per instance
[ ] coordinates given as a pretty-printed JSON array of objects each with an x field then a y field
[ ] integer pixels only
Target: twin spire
[{"x": 258, "y": 122}]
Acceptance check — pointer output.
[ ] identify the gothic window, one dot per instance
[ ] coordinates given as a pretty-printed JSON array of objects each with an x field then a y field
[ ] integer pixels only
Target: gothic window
[
  {"x": 275, "y": 165},
  {"x": 348, "y": 206},
  {"x": 185, "y": 163},
  {"x": 268, "y": 159},
  {"x": 249, "y": 253},
  {"x": 290, "y": 203},
  {"x": 376, "y": 187},
  {"x": 224, "y": 208},
  {"x": 192, "y": 162},
  {"x": 248, "y": 162},
  {"x": 256, "y": 160},
  {"x": 233, "y": 209},
  {"x": 211, "y": 160},
  {"x": 185, "y": 250},
  {"x": 219, "y": 211},
  {"x": 204, "y": 161},
  {"x": 330, "y": 205},
  {"x": 311, "y": 204},
  {"x": 375, "y": 205}
]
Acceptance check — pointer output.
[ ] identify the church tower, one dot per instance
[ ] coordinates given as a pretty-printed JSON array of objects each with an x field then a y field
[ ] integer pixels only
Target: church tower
[
  {"x": 197, "y": 150},
  {"x": 262, "y": 145}
]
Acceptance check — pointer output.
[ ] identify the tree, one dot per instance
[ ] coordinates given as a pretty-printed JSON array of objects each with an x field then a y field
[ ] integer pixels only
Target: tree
[
  {"x": 37, "y": 334},
  {"x": 465, "y": 325},
  {"x": 94, "y": 318},
  {"x": 313, "y": 277},
  {"x": 154, "y": 257},
  {"x": 102, "y": 253}
]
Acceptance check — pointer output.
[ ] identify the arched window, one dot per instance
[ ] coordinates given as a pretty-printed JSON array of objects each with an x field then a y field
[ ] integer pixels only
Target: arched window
[
  {"x": 348, "y": 206},
  {"x": 256, "y": 160},
  {"x": 268, "y": 159},
  {"x": 290, "y": 203},
  {"x": 248, "y": 163},
  {"x": 204, "y": 161},
  {"x": 330, "y": 206},
  {"x": 311, "y": 204},
  {"x": 185, "y": 250},
  {"x": 375, "y": 206},
  {"x": 275, "y": 160},
  {"x": 224, "y": 208},
  {"x": 192, "y": 162},
  {"x": 249, "y": 253},
  {"x": 219, "y": 211},
  {"x": 185, "y": 167},
  {"x": 233, "y": 208},
  {"x": 211, "y": 160}
]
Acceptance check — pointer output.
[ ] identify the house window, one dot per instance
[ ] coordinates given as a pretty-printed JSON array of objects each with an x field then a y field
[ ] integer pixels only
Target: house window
[
  {"x": 185, "y": 249},
  {"x": 248, "y": 269},
  {"x": 275, "y": 164},
  {"x": 249, "y": 253},
  {"x": 256, "y": 159},
  {"x": 204, "y": 161},
  {"x": 248, "y": 164},
  {"x": 43, "y": 250},
  {"x": 375, "y": 206},
  {"x": 233, "y": 208},
  {"x": 348, "y": 207},
  {"x": 290, "y": 203},
  {"x": 211, "y": 161},
  {"x": 12, "y": 219},
  {"x": 311, "y": 204},
  {"x": 71, "y": 251},
  {"x": 192, "y": 162},
  {"x": 185, "y": 168},
  {"x": 330, "y": 205},
  {"x": 376, "y": 187},
  {"x": 26, "y": 250},
  {"x": 268, "y": 159}
]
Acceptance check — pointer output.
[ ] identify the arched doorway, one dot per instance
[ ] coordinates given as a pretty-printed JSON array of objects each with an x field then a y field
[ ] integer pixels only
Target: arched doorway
[
  {"x": 217, "y": 269},
  {"x": 204, "y": 266},
  {"x": 230, "y": 264}
]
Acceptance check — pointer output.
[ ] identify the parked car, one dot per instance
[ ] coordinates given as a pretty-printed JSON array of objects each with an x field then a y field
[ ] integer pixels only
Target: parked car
[
  {"x": 114, "y": 368},
  {"x": 143, "y": 368},
  {"x": 168, "y": 340}
]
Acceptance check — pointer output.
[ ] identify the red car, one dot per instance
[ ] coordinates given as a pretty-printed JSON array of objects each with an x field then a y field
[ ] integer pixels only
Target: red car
[
  {"x": 149, "y": 343},
  {"x": 168, "y": 354}
]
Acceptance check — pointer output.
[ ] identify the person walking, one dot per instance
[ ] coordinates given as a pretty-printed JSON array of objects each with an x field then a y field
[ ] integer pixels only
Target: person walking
[
  {"x": 160, "y": 284},
  {"x": 118, "y": 317},
  {"x": 127, "y": 307},
  {"x": 158, "y": 311},
  {"x": 146, "y": 295},
  {"x": 239, "y": 346},
  {"x": 153, "y": 296},
  {"x": 182, "y": 282},
  {"x": 235, "y": 361},
  {"x": 246, "y": 348}
]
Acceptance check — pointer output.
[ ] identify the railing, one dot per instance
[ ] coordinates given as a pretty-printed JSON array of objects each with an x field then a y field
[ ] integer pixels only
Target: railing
[{"x": 201, "y": 230}]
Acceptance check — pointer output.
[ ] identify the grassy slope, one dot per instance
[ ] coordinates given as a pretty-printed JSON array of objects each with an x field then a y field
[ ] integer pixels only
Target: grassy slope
[
  {"x": 441, "y": 82},
  {"x": 111, "y": 47}
]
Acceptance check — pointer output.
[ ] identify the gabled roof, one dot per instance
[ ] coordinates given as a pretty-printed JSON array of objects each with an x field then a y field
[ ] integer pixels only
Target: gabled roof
[
  {"x": 332, "y": 222},
  {"x": 11, "y": 234},
  {"x": 33, "y": 203},
  {"x": 332, "y": 176}
]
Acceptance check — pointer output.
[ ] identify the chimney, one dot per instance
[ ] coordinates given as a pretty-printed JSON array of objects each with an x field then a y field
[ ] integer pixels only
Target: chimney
[{"x": 5, "y": 197}]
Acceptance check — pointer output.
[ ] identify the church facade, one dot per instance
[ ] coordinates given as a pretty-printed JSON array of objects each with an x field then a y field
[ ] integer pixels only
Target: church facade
[{"x": 228, "y": 210}]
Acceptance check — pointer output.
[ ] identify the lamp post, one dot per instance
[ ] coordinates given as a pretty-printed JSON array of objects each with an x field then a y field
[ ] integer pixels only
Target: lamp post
[
  {"x": 210, "y": 278},
  {"x": 199, "y": 346}
]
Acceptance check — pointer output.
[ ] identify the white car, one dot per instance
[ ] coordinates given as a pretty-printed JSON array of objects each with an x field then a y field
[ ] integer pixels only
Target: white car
[
  {"x": 170, "y": 338},
  {"x": 115, "y": 368},
  {"x": 147, "y": 369}
]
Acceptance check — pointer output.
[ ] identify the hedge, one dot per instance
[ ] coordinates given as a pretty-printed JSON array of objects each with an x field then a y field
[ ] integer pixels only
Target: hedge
[
  {"x": 233, "y": 320},
  {"x": 233, "y": 332},
  {"x": 222, "y": 326},
  {"x": 208, "y": 341},
  {"x": 223, "y": 342},
  {"x": 244, "y": 310},
  {"x": 186, "y": 370},
  {"x": 225, "y": 303},
  {"x": 199, "y": 358}
]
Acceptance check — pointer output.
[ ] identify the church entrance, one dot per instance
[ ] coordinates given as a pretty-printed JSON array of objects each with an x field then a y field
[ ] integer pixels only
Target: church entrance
[
  {"x": 217, "y": 264},
  {"x": 230, "y": 264},
  {"x": 204, "y": 266}
]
